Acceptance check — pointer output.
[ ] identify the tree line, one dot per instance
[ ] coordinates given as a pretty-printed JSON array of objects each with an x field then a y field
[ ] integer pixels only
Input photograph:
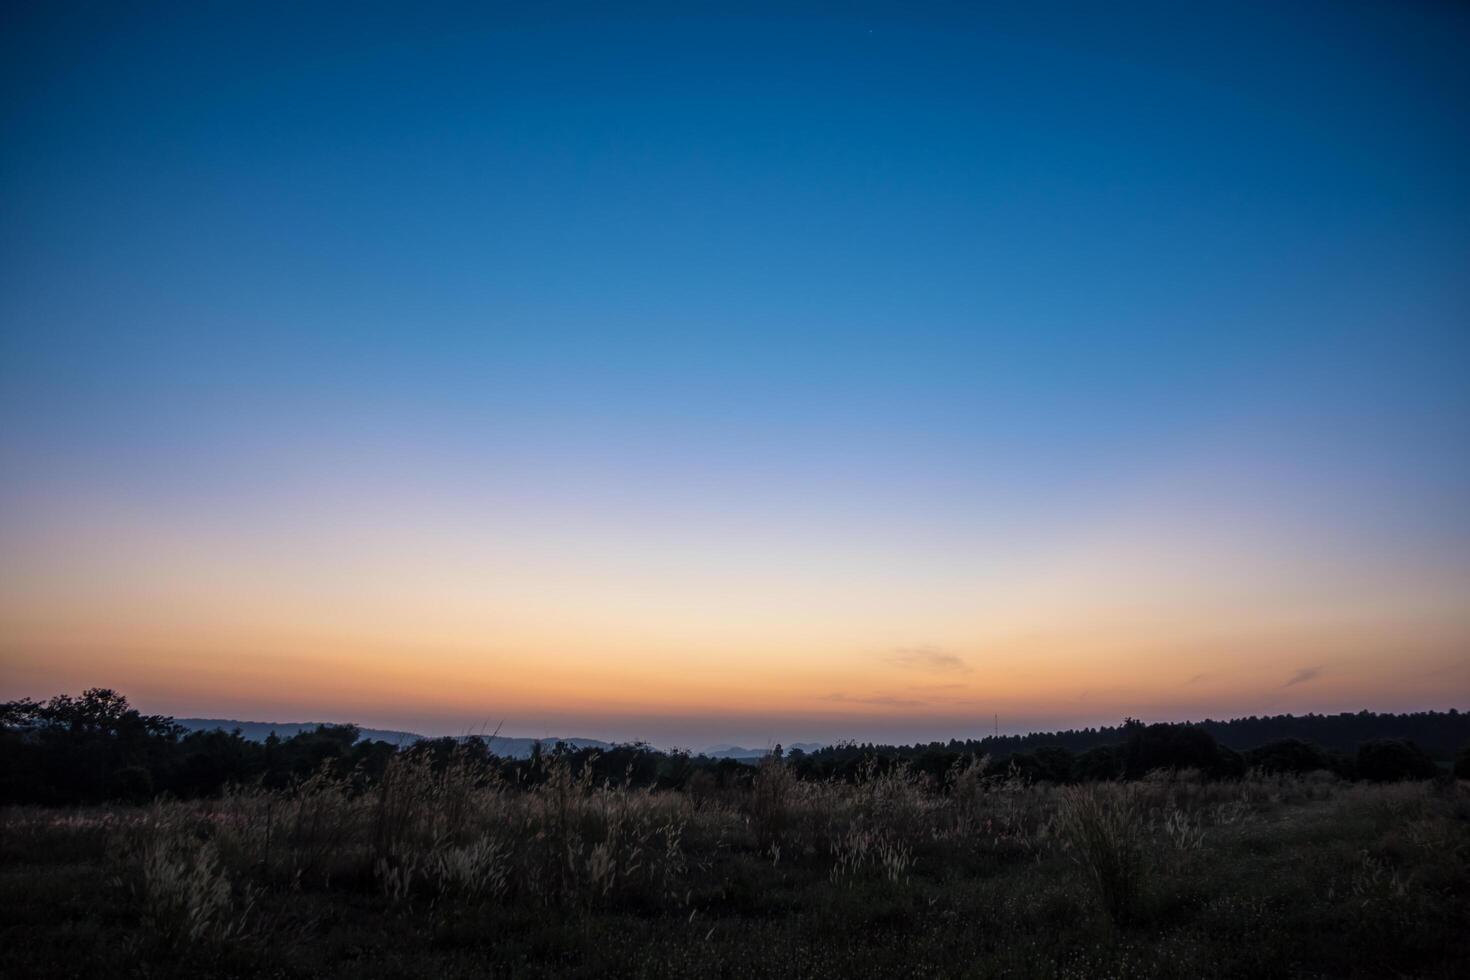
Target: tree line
[{"x": 97, "y": 748}]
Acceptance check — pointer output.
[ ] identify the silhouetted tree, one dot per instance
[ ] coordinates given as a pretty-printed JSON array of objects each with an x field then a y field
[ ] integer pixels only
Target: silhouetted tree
[
  {"x": 1161, "y": 746},
  {"x": 81, "y": 750},
  {"x": 97, "y": 747}
]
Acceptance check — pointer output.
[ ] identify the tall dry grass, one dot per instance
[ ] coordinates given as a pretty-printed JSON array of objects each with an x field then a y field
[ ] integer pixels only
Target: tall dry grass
[
  {"x": 1103, "y": 828},
  {"x": 455, "y": 835}
]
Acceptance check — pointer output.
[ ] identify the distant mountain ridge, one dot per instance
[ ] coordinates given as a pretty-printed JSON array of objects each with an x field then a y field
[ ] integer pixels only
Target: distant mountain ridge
[
  {"x": 1440, "y": 733},
  {"x": 504, "y": 746},
  {"x": 740, "y": 752},
  {"x": 259, "y": 731}
]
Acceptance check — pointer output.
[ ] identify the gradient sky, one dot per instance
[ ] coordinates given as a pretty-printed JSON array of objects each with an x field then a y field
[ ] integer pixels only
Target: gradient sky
[{"x": 694, "y": 373}]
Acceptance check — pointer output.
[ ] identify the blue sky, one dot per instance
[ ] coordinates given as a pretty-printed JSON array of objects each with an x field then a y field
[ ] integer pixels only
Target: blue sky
[{"x": 916, "y": 275}]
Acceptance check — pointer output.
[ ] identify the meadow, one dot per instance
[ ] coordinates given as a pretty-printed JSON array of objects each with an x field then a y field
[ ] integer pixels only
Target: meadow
[{"x": 444, "y": 867}]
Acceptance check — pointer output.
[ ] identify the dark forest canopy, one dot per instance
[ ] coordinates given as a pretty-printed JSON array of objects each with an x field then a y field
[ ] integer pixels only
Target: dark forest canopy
[
  {"x": 96, "y": 747},
  {"x": 1439, "y": 733}
]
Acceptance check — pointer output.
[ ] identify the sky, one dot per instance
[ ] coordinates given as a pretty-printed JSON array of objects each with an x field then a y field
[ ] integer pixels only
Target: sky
[{"x": 729, "y": 372}]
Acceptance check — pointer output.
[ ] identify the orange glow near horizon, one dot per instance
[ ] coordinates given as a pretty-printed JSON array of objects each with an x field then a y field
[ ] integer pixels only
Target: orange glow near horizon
[
  {"x": 736, "y": 378},
  {"x": 673, "y": 640}
]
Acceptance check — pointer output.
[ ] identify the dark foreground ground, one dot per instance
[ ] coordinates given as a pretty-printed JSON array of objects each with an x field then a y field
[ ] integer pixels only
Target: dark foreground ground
[{"x": 446, "y": 874}]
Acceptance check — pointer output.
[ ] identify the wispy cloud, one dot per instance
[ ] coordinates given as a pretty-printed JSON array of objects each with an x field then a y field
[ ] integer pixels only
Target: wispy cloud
[
  {"x": 927, "y": 658},
  {"x": 1303, "y": 676},
  {"x": 881, "y": 700}
]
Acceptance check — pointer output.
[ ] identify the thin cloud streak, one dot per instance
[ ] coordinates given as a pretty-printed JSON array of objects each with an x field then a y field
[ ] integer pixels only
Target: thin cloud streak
[
  {"x": 880, "y": 700},
  {"x": 928, "y": 658},
  {"x": 1303, "y": 676}
]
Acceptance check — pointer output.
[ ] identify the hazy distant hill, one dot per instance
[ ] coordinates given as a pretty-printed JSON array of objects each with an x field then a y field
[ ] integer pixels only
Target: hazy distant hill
[
  {"x": 259, "y": 731},
  {"x": 520, "y": 748},
  {"x": 742, "y": 753},
  {"x": 503, "y": 746}
]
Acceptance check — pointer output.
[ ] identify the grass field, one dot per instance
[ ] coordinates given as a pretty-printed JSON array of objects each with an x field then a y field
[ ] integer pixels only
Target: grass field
[{"x": 448, "y": 872}]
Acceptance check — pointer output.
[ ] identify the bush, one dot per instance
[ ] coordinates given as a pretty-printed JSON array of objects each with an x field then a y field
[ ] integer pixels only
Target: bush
[
  {"x": 1288, "y": 755},
  {"x": 1390, "y": 759},
  {"x": 1101, "y": 763},
  {"x": 1229, "y": 764}
]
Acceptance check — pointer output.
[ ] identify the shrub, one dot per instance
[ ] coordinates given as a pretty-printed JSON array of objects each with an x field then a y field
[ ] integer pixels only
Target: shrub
[
  {"x": 1288, "y": 755},
  {"x": 1101, "y": 763},
  {"x": 1229, "y": 764},
  {"x": 1384, "y": 760}
]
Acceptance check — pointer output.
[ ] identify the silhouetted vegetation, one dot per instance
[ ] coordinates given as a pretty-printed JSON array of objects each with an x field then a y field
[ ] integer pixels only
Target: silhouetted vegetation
[
  {"x": 1385, "y": 760},
  {"x": 1291, "y": 755},
  {"x": 97, "y": 748},
  {"x": 1162, "y": 854},
  {"x": 1108, "y": 752}
]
